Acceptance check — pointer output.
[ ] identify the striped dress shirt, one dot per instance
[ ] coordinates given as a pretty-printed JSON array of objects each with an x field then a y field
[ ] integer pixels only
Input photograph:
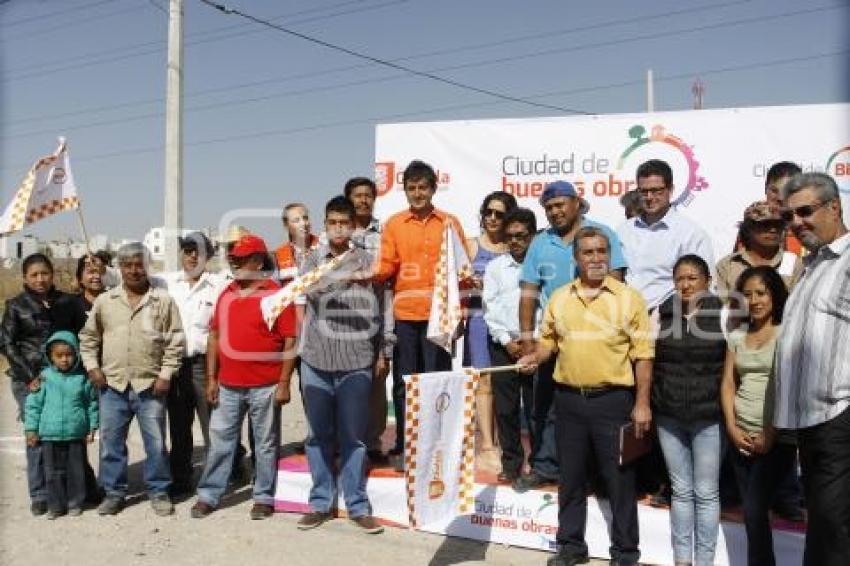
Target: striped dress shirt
[
  {"x": 342, "y": 318},
  {"x": 812, "y": 367}
]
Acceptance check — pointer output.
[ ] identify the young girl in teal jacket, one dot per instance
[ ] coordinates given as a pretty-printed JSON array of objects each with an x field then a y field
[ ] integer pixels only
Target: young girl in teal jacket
[{"x": 63, "y": 415}]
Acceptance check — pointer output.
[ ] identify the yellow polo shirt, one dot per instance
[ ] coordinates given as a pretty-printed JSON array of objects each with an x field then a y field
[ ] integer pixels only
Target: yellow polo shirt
[{"x": 597, "y": 340}]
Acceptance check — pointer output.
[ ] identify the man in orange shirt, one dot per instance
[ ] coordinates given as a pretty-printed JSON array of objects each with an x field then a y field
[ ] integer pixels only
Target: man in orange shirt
[
  {"x": 290, "y": 255},
  {"x": 410, "y": 248}
]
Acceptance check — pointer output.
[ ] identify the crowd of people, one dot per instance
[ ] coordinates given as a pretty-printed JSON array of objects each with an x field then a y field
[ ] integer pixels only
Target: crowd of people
[{"x": 739, "y": 361}]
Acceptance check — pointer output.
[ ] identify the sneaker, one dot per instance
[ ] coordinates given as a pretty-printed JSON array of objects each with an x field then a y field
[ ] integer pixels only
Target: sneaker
[
  {"x": 567, "y": 560},
  {"x": 201, "y": 509},
  {"x": 312, "y": 520},
  {"x": 162, "y": 505},
  {"x": 261, "y": 511},
  {"x": 74, "y": 511},
  {"x": 52, "y": 514},
  {"x": 368, "y": 524},
  {"x": 531, "y": 481},
  {"x": 110, "y": 505},
  {"x": 38, "y": 508}
]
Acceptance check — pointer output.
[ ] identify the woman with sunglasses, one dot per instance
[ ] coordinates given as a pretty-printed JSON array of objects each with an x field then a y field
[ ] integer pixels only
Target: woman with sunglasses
[
  {"x": 483, "y": 249},
  {"x": 761, "y": 235},
  {"x": 762, "y": 458}
]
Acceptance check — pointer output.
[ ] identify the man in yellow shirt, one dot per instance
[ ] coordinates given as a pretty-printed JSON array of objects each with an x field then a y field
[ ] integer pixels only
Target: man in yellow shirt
[{"x": 598, "y": 329}]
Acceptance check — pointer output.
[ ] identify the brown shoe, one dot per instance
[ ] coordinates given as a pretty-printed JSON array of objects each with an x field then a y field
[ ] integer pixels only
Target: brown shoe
[
  {"x": 261, "y": 511},
  {"x": 368, "y": 524},
  {"x": 201, "y": 509},
  {"x": 312, "y": 520}
]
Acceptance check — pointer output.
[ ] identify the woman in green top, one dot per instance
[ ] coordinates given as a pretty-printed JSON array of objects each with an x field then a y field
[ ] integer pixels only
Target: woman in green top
[{"x": 761, "y": 459}]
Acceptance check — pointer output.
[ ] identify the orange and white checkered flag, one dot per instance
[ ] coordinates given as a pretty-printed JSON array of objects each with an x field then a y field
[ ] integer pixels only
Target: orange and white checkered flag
[
  {"x": 274, "y": 304},
  {"x": 47, "y": 189},
  {"x": 453, "y": 266},
  {"x": 440, "y": 445}
]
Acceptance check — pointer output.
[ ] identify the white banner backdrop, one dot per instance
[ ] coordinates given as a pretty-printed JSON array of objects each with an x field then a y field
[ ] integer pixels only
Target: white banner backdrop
[
  {"x": 530, "y": 520},
  {"x": 719, "y": 159}
]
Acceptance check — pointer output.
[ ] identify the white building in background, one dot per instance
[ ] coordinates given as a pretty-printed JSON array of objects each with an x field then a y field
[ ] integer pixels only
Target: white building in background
[{"x": 17, "y": 246}]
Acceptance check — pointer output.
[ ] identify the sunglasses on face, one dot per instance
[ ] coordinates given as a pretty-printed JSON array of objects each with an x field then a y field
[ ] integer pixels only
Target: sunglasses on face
[
  {"x": 516, "y": 236},
  {"x": 497, "y": 214},
  {"x": 803, "y": 212}
]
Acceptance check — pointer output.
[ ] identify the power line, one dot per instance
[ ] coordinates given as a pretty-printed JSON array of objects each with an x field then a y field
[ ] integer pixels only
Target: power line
[
  {"x": 685, "y": 75},
  {"x": 668, "y": 33},
  {"x": 138, "y": 49},
  {"x": 56, "y": 13},
  {"x": 427, "y": 54},
  {"x": 158, "y": 6},
  {"x": 461, "y": 66},
  {"x": 84, "y": 20},
  {"x": 385, "y": 63}
]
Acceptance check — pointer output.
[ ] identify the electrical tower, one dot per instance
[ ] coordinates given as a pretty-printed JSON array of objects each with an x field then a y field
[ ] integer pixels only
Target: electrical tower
[{"x": 698, "y": 89}]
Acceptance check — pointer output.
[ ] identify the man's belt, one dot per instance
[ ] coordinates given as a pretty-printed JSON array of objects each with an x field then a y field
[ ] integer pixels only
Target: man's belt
[{"x": 595, "y": 390}]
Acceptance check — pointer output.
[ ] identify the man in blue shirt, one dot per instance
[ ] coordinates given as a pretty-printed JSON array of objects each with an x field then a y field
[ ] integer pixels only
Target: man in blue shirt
[{"x": 549, "y": 264}]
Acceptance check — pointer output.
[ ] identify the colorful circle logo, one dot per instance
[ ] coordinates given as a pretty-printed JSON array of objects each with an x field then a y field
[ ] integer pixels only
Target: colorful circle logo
[{"x": 695, "y": 183}]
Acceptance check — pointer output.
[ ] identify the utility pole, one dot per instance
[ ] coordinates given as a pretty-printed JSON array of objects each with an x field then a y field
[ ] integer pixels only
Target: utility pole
[
  {"x": 650, "y": 91},
  {"x": 174, "y": 137},
  {"x": 698, "y": 89}
]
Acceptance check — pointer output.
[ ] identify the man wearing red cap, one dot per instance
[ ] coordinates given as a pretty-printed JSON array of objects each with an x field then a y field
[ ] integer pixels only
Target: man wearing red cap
[{"x": 248, "y": 370}]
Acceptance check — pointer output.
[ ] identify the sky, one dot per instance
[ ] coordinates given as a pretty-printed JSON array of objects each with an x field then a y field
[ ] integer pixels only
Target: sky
[{"x": 271, "y": 118}]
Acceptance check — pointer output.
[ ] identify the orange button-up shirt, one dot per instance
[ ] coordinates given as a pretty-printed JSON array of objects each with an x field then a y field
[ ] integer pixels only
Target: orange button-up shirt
[
  {"x": 289, "y": 259},
  {"x": 410, "y": 249}
]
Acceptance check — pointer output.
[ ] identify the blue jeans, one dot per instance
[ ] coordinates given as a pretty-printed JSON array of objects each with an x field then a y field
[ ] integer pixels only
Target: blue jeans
[
  {"x": 693, "y": 454},
  {"x": 36, "y": 477},
  {"x": 337, "y": 408},
  {"x": 225, "y": 427},
  {"x": 117, "y": 409},
  {"x": 544, "y": 446}
]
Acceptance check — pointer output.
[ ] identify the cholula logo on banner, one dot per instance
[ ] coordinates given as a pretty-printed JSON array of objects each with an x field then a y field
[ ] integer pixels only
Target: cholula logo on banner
[
  {"x": 387, "y": 177},
  {"x": 659, "y": 135},
  {"x": 384, "y": 176},
  {"x": 838, "y": 165}
]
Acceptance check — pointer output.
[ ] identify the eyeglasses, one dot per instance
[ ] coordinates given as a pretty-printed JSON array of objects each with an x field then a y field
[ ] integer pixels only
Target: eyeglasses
[
  {"x": 651, "y": 191},
  {"x": 516, "y": 236},
  {"x": 497, "y": 214},
  {"x": 189, "y": 251},
  {"x": 803, "y": 212}
]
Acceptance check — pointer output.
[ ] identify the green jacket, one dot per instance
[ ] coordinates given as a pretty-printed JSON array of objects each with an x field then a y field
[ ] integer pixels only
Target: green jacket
[{"x": 65, "y": 405}]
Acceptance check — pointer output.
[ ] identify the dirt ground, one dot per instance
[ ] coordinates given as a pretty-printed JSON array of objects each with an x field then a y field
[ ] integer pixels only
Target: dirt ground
[{"x": 228, "y": 536}]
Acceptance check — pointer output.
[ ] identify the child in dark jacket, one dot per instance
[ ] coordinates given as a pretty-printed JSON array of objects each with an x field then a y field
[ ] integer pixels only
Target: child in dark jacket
[{"x": 63, "y": 415}]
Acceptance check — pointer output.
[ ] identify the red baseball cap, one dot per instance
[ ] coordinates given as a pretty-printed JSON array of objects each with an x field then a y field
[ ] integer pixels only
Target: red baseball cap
[{"x": 248, "y": 245}]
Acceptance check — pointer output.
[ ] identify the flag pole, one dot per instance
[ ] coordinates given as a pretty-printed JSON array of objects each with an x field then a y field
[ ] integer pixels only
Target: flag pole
[{"x": 83, "y": 228}]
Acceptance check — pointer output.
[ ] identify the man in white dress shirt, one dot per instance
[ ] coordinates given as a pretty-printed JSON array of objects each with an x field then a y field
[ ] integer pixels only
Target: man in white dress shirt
[
  {"x": 659, "y": 235},
  {"x": 195, "y": 291},
  {"x": 501, "y": 293}
]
